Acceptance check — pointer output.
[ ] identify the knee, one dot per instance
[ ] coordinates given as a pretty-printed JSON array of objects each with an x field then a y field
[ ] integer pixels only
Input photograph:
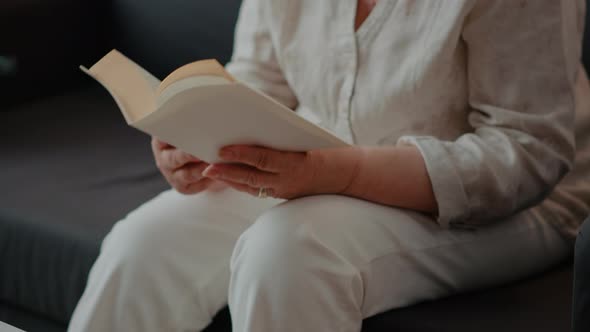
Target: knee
[
  {"x": 291, "y": 252},
  {"x": 288, "y": 242},
  {"x": 275, "y": 243}
]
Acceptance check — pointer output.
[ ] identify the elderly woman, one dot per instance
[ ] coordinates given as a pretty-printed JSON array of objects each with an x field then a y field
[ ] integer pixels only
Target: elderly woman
[{"x": 462, "y": 118}]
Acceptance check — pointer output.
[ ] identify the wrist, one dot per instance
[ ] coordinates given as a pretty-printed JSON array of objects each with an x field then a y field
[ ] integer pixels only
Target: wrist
[
  {"x": 335, "y": 171},
  {"x": 351, "y": 177}
]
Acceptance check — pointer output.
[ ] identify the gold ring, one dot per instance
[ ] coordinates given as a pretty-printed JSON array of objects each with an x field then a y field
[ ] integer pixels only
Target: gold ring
[{"x": 262, "y": 193}]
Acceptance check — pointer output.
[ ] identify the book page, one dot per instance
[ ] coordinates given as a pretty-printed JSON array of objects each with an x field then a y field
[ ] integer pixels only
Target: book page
[
  {"x": 203, "y": 119},
  {"x": 188, "y": 83},
  {"x": 132, "y": 87},
  {"x": 197, "y": 68}
]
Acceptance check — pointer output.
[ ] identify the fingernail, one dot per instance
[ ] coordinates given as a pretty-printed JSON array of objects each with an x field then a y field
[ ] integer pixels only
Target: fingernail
[
  {"x": 210, "y": 172},
  {"x": 226, "y": 154}
]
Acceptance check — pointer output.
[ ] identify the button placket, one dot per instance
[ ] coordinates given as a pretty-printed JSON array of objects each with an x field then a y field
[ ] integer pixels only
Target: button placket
[
  {"x": 344, "y": 57},
  {"x": 350, "y": 80}
]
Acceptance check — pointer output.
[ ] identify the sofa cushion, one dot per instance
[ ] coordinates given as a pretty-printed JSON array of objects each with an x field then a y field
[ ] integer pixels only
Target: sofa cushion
[
  {"x": 70, "y": 168},
  {"x": 540, "y": 303},
  {"x": 28, "y": 321}
]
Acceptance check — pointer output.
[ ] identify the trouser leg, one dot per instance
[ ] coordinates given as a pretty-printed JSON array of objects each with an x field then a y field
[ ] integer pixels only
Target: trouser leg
[
  {"x": 165, "y": 267},
  {"x": 324, "y": 263}
]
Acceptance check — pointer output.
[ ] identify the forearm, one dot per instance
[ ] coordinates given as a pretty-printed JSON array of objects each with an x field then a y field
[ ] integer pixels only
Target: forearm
[{"x": 394, "y": 176}]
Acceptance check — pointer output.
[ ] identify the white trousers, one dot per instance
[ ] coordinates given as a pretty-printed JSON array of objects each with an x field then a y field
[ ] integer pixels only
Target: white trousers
[{"x": 321, "y": 263}]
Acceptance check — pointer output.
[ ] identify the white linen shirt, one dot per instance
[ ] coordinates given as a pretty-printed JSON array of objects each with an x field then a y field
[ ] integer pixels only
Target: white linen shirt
[{"x": 487, "y": 91}]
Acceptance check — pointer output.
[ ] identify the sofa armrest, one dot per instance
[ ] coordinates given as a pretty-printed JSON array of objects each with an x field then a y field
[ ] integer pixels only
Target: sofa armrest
[{"x": 43, "y": 42}]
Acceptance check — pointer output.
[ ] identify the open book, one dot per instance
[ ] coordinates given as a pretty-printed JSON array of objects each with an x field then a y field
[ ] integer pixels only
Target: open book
[{"x": 199, "y": 108}]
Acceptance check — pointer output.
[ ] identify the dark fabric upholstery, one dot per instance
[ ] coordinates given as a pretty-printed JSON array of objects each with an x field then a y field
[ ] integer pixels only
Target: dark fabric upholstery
[
  {"x": 163, "y": 35},
  {"x": 28, "y": 321},
  {"x": 541, "y": 303},
  {"x": 586, "y": 41},
  {"x": 78, "y": 169},
  {"x": 47, "y": 40},
  {"x": 581, "y": 296}
]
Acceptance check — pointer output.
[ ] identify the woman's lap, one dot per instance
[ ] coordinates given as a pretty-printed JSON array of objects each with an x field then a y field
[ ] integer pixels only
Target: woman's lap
[
  {"x": 399, "y": 257},
  {"x": 404, "y": 257},
  {"x": 173, "y": 254}
]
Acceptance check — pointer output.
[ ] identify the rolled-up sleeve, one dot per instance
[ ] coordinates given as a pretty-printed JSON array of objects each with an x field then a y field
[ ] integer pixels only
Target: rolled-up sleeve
[
  {"x": 254, "y": 58},
  {"x": 522, "y": 59}
]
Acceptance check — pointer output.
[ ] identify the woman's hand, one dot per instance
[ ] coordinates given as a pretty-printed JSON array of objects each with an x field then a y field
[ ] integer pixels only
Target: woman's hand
[
  {"x": 392, "y": 175},
  {"x": 282, "y": 174},
  {"x": 181, "y": 170}
]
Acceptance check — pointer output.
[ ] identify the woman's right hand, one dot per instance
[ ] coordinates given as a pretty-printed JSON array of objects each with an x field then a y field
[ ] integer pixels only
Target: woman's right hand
[{"x": 181, "y": 170}]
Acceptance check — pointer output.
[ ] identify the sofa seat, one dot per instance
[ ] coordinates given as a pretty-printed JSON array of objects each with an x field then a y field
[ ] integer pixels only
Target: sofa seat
[{"x": 75, "y": 168}]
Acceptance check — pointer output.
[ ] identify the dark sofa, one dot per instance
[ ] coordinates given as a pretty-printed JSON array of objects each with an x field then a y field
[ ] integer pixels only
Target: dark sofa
[{"x": 70, "y": 167}]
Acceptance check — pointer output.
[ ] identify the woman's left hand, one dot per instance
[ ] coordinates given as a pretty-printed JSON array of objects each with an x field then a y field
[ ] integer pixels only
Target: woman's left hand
[
  {"x": 282, "y": 174},
  {"x": 394, "y": 176}
]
